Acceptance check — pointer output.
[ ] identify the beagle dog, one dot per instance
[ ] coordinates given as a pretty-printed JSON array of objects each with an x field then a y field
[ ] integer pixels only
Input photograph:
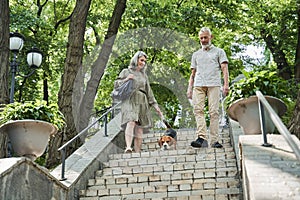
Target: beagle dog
[{"x": 168, "y": 139}]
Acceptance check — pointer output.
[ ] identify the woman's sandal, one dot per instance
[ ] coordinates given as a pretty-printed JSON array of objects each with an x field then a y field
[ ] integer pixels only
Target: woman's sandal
[{"x": 128, "y": 150}]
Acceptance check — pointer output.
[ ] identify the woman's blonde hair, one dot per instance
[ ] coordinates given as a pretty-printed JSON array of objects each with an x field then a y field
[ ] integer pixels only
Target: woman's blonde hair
[{"x": 134, "y": 60}]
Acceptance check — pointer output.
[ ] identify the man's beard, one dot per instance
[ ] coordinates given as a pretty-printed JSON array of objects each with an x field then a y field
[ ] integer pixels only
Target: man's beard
[{"x": 205, "y": 46}]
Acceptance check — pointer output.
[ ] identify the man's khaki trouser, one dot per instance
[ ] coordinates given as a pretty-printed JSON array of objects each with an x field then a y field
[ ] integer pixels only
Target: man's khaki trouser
[{"x": 199, "y": 96}]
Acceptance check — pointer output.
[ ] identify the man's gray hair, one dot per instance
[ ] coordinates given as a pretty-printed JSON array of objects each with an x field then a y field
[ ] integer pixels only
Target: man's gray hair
[{"x": 205, "y": 29}]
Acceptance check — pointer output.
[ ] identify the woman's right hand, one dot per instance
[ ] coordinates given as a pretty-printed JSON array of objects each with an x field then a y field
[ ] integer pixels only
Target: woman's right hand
[{"x": 130, "y": 76}]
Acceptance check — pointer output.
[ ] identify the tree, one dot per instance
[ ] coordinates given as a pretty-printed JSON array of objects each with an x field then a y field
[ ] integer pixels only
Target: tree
[
  {"x": 98, "y": 67},
  {"x": 272, "y": 22},
  {"x": 73, "y": 64},
  {"x": 294, "y": 127},
  {"x": 297, "y": 59},
  {"x": 4, "y": 51},
  {"x": 4, "y": 63}
]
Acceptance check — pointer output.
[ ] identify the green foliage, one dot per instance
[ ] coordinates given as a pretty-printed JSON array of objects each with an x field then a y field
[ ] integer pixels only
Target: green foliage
[
  {"x": 45, "y": 27},
  {"x": 234, "y": 23},
  {"x": 290, "y": 109},
  {"x": 168, "y": 101},
  {"x": 268, "y": 82},
  {"x": 41, "y": 160},
  {"x": 38, "y": 110},
  {"x": 265, "y": 81}
]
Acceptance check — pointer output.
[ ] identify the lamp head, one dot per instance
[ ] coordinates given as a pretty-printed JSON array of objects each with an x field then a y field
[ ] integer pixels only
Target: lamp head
[
  {"x": 34, "y": 57},
  {"x": 16, "y": 41}
]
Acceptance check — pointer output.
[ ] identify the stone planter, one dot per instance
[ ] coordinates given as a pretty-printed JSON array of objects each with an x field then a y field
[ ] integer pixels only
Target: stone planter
[
  {"x": 246, "y": 112},
  {"x": 28, "y": 138}
]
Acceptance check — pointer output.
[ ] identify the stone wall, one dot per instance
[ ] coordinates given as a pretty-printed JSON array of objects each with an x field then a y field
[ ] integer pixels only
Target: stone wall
[
  {"x": 20, "y": 178},
  {"x": 23, "y": 179}
]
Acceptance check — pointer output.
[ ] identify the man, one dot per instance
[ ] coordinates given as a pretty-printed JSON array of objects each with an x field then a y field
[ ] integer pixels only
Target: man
[{"x": 205, "y": 81}]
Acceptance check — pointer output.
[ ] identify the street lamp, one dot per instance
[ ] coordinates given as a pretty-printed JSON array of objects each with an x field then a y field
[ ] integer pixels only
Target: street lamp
[{"x": 34, "y": 59}]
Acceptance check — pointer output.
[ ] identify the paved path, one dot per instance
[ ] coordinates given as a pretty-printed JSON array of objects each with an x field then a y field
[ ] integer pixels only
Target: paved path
[{"x": 185, "y": 173}]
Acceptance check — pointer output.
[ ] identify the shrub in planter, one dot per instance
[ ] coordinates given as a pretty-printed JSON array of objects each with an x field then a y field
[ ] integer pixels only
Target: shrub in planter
[
  {"x": 240, "y": 103},
  {"x": 37, "y": 110},
  {"x": 265, "y": 81},
  {"x": 29, "y": 125}
]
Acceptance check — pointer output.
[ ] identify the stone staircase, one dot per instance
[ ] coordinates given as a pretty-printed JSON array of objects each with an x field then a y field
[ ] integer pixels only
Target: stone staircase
[{"x": 185, "y": 173}]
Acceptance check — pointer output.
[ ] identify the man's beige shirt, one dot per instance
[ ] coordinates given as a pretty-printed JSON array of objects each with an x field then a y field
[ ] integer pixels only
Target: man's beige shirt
[{"x": 208, "y": 66}]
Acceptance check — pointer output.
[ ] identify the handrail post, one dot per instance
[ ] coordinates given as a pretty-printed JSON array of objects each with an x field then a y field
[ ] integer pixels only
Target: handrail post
[
  {"x": 263, "y": 123},
  {"x": 113, "y": 112},
  {"x": 63, "y": 159},
  {"x": 279, "y": 125},
  {"x": 105, "y": 125}
]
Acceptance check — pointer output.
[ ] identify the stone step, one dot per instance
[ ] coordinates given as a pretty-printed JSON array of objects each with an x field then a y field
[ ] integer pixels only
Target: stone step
[
  {"x": 182, "y": 155},
  {"x": 175, "y": 195},
  {"x": 164, "y": 189},
  {"x": 229, "y": 172},
  {"x": 164, "y": 168},
  {"x": 185, "y": 173}
]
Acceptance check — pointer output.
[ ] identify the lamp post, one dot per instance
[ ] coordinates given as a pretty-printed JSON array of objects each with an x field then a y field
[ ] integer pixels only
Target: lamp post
[{"x": 34, "y": 59}]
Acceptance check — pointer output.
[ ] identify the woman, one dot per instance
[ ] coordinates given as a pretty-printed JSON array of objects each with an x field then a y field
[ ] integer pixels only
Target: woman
[{"x": 135, "y": 110}]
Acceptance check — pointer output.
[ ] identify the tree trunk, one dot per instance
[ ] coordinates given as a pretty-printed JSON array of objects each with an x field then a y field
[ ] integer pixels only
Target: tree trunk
[
  {"x": 297, "y": 60},
  {"x": 52, "y": 156},
  {"x": 98, "y": 67},
  {"x": 4, "y": 51},
  {"x": 294, "y": 126},
  {"x": 72, "y": 64},
  {"x": 278, "y": 55},
  {"x": 4, "y": 64}
]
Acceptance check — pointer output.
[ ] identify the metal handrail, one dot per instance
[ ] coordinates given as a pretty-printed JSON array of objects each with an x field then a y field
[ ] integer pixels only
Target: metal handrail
[
  {"x": 263, "y": 103},
  {"x": 64, "y": 147}
]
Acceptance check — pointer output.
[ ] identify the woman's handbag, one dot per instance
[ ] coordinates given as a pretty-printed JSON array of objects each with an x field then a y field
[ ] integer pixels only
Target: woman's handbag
[{"x": 123, "y": 91}]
